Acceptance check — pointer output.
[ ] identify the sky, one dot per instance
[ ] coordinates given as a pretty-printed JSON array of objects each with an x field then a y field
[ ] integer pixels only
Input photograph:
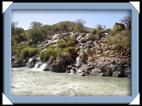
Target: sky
[{"x": 92, "y": 18}]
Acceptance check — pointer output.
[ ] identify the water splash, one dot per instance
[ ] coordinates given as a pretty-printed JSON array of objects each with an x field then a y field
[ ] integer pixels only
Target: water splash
[
  {"x": 78, "y": 61},
  {"x": 44, "y": 66}
]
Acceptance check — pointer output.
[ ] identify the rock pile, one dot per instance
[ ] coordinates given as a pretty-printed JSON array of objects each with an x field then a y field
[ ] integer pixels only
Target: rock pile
[{"x": 91, "y": 57}]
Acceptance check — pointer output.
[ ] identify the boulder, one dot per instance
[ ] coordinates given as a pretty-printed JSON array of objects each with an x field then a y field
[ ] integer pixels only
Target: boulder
[
  {"x": 58, "y": 65},
  {"x": 108, "y": 69},
  {"x": 83, "y": 40},
  {"x": 90, "y": 66},
  {"x": 16, "y": 63},
  {"x": 89, "y": 37},
  {"x": 71, "y": 69},
  {"x": 116, "y": 73},
  {"x": 88, "y": 51},
  {"x": 82, "y": 74},
  {"x": 82, "y": 69},
  {"x": 83, "y": 57},
  {"x": 95, "y": 72},
  {"x": 127, "y": 72},
  {"x": 68, "y": 68},
  {"x": 56, "y": 36}
]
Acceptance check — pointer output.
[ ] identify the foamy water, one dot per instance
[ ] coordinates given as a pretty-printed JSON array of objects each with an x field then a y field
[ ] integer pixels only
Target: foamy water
[{"x": 26, "y": 81}]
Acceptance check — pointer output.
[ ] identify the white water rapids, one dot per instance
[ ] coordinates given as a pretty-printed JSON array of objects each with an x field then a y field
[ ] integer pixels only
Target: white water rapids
[{"x": 26, "y": 81}]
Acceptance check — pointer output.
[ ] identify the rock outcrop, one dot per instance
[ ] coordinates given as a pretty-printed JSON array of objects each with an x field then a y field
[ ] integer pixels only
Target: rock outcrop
[{"x": 90, "y": 57}]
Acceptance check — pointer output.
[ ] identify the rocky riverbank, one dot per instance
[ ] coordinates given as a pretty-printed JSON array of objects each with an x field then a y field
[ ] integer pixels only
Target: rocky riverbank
[{"x": 89, "y": 56}]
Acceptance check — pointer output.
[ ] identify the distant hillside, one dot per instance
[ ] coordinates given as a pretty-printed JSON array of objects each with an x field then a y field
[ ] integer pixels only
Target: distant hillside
[{"x": 69, "y": 26}]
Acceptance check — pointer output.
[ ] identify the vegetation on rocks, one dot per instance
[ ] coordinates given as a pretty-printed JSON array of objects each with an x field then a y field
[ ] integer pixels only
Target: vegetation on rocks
[
  {"x": 58, "y": 49},
  {"x": 71, "y": 45}
]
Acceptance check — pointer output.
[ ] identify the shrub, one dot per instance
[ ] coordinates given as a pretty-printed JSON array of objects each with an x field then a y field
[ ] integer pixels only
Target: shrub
[
  {"x": 121, "y": 39},
  {"x": 67, "y": 42},
  {"x": 28, "y": 52},
  {"x": 94, "y": 31},
  {"x": 25, "y": 53},
  {"x": 46, "y": 53},
  {"x": 58, "y": 52},
  {"x": 65, "y": 52},
  {"x": 58, "y": 49},
  {"x": 61, "y": 44},
  {"x": 54, "y": 52},
  {"x": 71, "y": 42},
  {"x": 33, "y": 51}
]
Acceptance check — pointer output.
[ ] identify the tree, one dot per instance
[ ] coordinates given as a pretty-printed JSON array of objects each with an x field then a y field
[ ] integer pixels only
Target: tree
[
  {"x": 36, "y": 24},
  {"x": 80, "y": 25},
  {"x": 18, "y": 34},
  {"x": 35, "y": 35},
  {"x": 100, "y": 27},
  {"x": 127, "y": 22}
]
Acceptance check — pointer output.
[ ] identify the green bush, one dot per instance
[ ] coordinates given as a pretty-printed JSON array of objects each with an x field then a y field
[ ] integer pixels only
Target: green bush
[
  {"x": 67, "y": 42},
  {"x": 58, "y": 49},
  {"x": 65, "y": 52},
  {"x": 33, "y": 51},
  {"x": 28, "y": 52},
  {"x": 46, "y": 53},
  {"x": 61, "y": 44},
  {"x": 25, "y": 53},
  {"x": 121, "y": 39},
  {"x": 53, "y": 52},
  {"x": 94, "y": 31},
  {"x": 71, "y": 42}
]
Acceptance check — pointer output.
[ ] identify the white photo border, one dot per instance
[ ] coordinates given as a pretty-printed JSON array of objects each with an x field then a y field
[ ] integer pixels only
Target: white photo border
[{"x": 68, "y": 99}]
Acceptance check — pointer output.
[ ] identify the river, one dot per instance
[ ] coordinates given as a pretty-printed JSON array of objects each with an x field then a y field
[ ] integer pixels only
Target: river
[{"x": 27, "y": 82}]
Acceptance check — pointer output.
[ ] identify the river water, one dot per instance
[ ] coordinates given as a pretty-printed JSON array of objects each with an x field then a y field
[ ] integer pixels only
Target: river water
[{"x": 30, "y": 82}]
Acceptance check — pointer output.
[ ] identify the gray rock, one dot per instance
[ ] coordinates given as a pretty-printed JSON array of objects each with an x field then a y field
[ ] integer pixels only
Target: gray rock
[
  {"x": 83, "y": 67},
  {"x": 72, "y": 71},
  {"x": 19, "y": 63},
  {"x": 128, "y": 72},
  {"x": 56, "y": 36},
  {"x": 91, "y": 66},
  {"x": 82, "y": 74},
  {"x": 95, "y": 72},
  {"x": 68, "y": 68},
  {"x": 116, "y": 73}
]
